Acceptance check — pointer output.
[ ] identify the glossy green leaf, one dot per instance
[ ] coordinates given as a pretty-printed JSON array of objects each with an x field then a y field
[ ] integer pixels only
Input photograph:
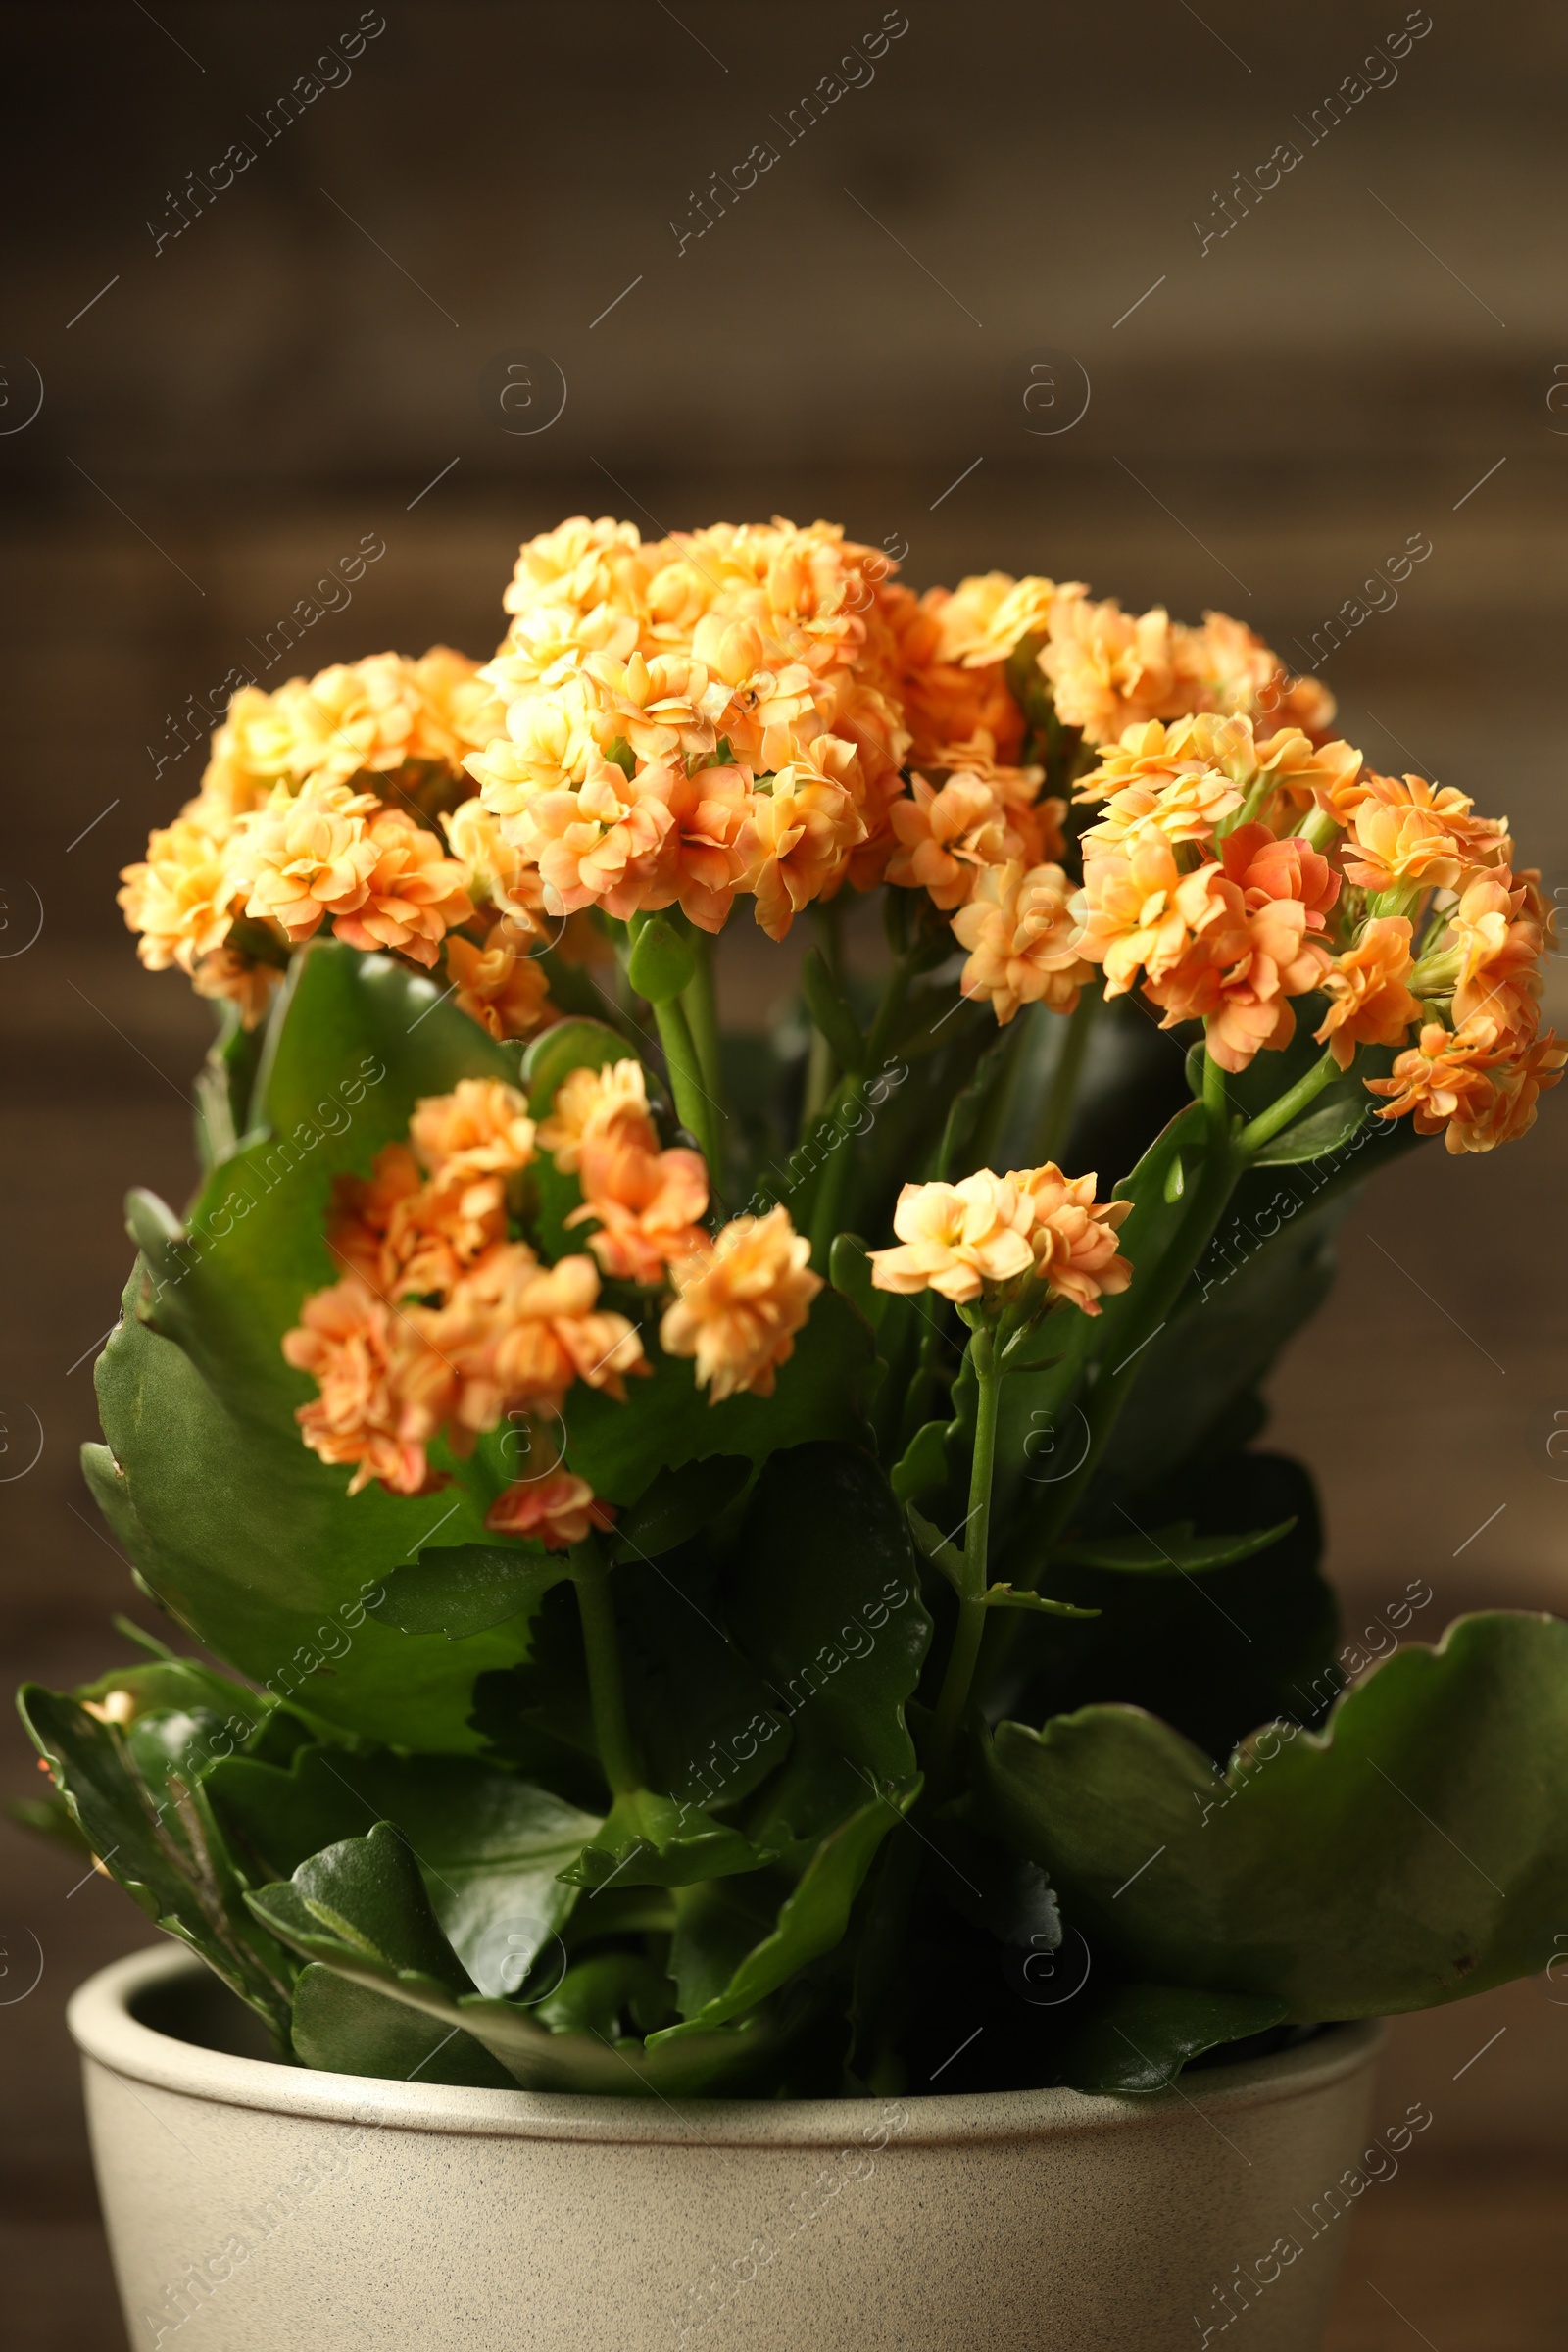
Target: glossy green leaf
[
  {"x": 1172, "y": 1551},
  {"x": 1131, "y": 2039},
  {"x": 678, "y": 1506},
  {"x": 1214, "y": 1653},
  {"x": 649, "y": 1839},
  {"x": 822, "y": 1392},
  {"x": 467, "y": 1587},
  {"x": 1003, "y": 1596},
  {"x": 823, "y": 1595},
  {"x": 565, "y": 1047},
  {"x": 850, "y": 1271},
  {"x": 361, "y": 1909},
  {"x": 490, "y": 1846},
  {"x": 346, "y": 2029},
  {"x": 923, "y": 1468},
  {"x": 814, "y": 1918},
  {"x": 937, "y": 1547},
  {"x": 242, "y": 1534},
  {"x": 1414, "y": 1853},
  {"x": 137, "y": 1800}
]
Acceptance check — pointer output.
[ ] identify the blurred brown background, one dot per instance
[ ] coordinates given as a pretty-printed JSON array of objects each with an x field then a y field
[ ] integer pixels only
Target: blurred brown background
[{"x": 240, "y": 381}]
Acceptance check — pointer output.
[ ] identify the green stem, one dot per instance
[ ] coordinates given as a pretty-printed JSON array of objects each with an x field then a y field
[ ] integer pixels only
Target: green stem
[
  {"x": 836, "y": 1174},
  {"x": 606, "y": 1689},
  {"x": 695, "y": 1106},
  {"x": 1214, "y": 1098},
  {"x": 1278, "y": 1114},
  {"x": 700, "y": 1003},
  {"x": 1159, "y": 1288},
  {"x": 964, "y": 1654},
  {"x": 1056, "y": 1117},
  {"x": 885, "y": 1931}
]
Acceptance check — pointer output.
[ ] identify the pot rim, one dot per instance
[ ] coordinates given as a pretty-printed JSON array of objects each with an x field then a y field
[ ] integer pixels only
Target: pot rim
[{"x": 101, "y": 2023}]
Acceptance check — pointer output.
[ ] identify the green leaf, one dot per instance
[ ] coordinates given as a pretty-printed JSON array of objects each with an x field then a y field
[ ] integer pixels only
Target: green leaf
[
  {"x": 937, "y": 1548},
  {"x": 1215, "y": 1653},
  {"x": 565, "y": 1047},
  {"x": 1129, "y": 2039},
  {"x": 812, "y": 1920},
  {"x": 661, "y": 964},
  {"x": 1414, "y": 1853},
  {"x": 652, "y": 1841},
  {"x": 850, "y": 1271},
  {"x": 345, "y": 2029},
  {"x": 1172, "y": 1551},
  {"x": 612, "y": 1995},
  {"x": 465, "y": 1589},
  {"x": 1003, "y": 1596},
  {"x": 244, "y": 1535},
  {"x": 137, "y": 1800},
  {"x": 677, "y": 1506},
  {"x": 923, "y": 1468},
  {"x": 490, "y": 1846},
  {"x": 828, "y": 1008},
  {"x": 822, "y": 1392},
  {"x": 361, "y": 1909},
  {"x": 823, "y": 1595}
]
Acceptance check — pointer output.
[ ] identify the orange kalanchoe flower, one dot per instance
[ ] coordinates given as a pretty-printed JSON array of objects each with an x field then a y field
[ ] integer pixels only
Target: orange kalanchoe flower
[
  {"x": 558, "y": 1510},
  {"x": 377, "y": 1393},
  {"x": 955, "y": 1237},
  {"x": 406, "y": 1238},
  {"x": 1266, "y": 868},
  {"x": 180, "y": 898},
  {"x": 798, "y": 836},
  {"x": 710, "y": 808},
  {"x": 1406, "y": 832},
  {"x": 1023, "y": 939},
  {"x": 591, "y": 1103},
  {"x": 517, "y": 1334},
  {"x": 1498, "y": 943},
  {"x": 1139, "y": 910},
  {"x": 942, "y": 701},
  {"x": 946, "y": 835},
  {"x": 302, "y": 860},
  {"x": 1240, "y": 973},
  {"x": 1073, "y": 1237},
  {"x": 647, "y": 1205},
  {"x": 1108, "y": 669},
  {"x": 1370, "y": 1002},
  {"x": 1477, "y": 1087},
  {"x": 739, "y": 1303},
  {"x": 231, "y": 978},
  {"x": 502, "y": 985},
  {"x": 482, "y": 1128},
  {"x": 413, "y": 896}
]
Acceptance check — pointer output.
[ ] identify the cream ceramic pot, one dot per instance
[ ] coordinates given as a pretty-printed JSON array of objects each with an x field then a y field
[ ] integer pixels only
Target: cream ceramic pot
[{"x": 267, "y": 2208}]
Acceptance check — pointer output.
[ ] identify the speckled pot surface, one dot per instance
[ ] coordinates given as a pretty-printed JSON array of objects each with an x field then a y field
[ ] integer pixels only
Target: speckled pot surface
[{"x": 272, "y": 2209}]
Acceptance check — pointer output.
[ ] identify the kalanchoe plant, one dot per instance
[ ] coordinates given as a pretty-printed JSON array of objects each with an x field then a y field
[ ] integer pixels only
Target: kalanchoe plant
[{"x": 727, "y": 1593}]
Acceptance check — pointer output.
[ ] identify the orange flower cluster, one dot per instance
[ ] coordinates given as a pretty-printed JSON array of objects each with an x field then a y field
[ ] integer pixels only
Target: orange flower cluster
[
  {"x": 963, "y": 1240},
  {"x": 646, "y": 1204},
  {"x": 708, "y": 714},
  {"x": 442, "y": 1325},
  {"x": 310, "y": 813},
  {"x": 739, "y": 1297},
  {"x": 1229, "y": 875}
]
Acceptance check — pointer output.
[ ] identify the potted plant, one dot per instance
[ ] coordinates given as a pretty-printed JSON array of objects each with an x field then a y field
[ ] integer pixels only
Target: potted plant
[{"x": 750, "y": 1585}]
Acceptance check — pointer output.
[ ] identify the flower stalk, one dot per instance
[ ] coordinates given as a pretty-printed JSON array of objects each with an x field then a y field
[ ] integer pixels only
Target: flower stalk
[{"x": 606, "y": 1687}]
